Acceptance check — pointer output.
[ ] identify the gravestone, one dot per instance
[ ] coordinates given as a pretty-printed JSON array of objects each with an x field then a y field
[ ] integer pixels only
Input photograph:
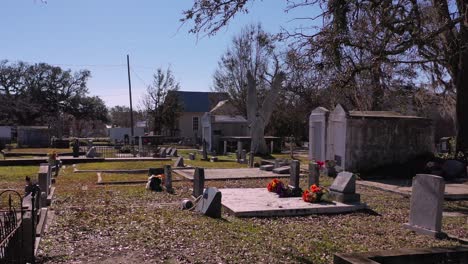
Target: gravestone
[
  {"x": 210, "y": 204},
  {"x": 251, "y": 159},
  {"x": 179, "y": 162},
  {"x": 204, "y": 151},
  {"x": 427, "y": 198},
  {"x": 314, "y": 174},
  {"x": 168, "y": 151},
  {"x": 239, "y": 150},
  {"x": 174, "y": 152},
  {"x": 277, "y": 164},
  {"x": 91, "y": 153},
  {"x": 282, "y": 170},
  {"x": 168, "y": 178},
  {"x": 213, "y": 159},
  {"x": 191, "y": 156},
  {"x": 343, "y": 189},
  {"x": 268, "y": 167},
  {"x": 44, "y": 182},
  {"x": 243, "y": 157},
  {"x": 198, "y": 182},
  {"x": 294, "y": 174},
  {"x": 76, "y": 148},
  {"x": 162, "y": 152}
]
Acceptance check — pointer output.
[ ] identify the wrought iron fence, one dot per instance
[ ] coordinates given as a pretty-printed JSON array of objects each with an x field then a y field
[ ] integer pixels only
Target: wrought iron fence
[
  {"x": 11, "y": 233},
  {"x": 125, "y": 151}
]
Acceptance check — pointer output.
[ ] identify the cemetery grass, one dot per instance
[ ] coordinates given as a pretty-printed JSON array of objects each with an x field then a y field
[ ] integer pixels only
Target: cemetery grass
[
  {"x": 127, "y": 224},
  {"x": 13, "y": 177}
]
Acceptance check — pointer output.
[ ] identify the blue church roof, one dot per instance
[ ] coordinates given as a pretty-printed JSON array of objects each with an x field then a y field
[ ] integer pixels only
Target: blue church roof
[{"x": 199, "y": 101}]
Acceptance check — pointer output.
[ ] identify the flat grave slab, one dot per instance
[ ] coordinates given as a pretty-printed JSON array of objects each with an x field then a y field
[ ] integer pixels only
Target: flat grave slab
[
  {"x": 258, "y": 202},
  {"x": 231, "y": 174},
  {"x": 453, "y": 191}
]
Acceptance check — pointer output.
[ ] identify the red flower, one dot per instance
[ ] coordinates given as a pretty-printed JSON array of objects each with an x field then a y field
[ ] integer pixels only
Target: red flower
[
  {"x": 315, "y": 189},
  {"x": 305, "y": 196},
  {"x": 321, "y": 164}
]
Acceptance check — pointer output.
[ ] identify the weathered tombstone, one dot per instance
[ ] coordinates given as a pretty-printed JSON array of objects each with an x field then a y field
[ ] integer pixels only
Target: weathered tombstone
[
  {"x": 214, "y": 159},
  {"x": 239, "y": 150},
  {"x": 179, "y": 162},
  {"x": 267, "y": 167},
  {"x": 210, "y": 205},
  {"x": 168, "y": 178},
  {"x": 44, "y": 182},
  {"x": 251, "y": 159},
  {"x": 191, "y": 156},
  {"x": 174, "y": 152},
  {"x": 272, "y": 146},
  {"x": 168, "y": 151},
  {"x": 162, "y": 152},
  {"x": 314, "y": 174},
  {"x": 277, "y": 164},
  {"x": 282, "y": 170},
  {"x": 76, "y": 148},
  {"x": 91, "y": 153},
  {"x": 90, "y": 144},
  {"x": 343, "y": 188},
  {"x": 204, "y": 151},
  {"x": 294, "y": 174},
  {"x": 140, "y": 145},
  {"x": 198, "y": 182},
  {"x": 225, "y": 148},
  {"x": 427, "y": 198},
  {"x": 243, "y": 157}
]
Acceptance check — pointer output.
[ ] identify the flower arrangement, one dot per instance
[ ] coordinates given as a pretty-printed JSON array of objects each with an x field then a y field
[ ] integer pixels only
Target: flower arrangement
[
  {"x": 283, "y": 190},
  {"x": 314, "y": 194},
  {"x": 52, "y": 155},
  {"x": 320, "y": 164}
]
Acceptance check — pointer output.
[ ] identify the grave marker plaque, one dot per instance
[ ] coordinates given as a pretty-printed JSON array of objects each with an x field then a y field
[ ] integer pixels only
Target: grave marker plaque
[{"x": 198, "y": 182}]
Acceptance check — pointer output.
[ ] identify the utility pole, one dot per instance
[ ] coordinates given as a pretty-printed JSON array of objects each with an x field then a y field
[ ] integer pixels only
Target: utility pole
[{"x": 130, "y": 93}]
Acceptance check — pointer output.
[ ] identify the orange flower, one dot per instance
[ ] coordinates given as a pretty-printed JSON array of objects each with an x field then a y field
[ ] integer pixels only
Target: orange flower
[
  {"x": 315, "y": 189},
  {"x": 305, "y": 196}
]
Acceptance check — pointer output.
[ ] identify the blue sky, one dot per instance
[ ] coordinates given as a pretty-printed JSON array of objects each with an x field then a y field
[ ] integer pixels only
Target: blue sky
[{"x": 97, "y": 35}]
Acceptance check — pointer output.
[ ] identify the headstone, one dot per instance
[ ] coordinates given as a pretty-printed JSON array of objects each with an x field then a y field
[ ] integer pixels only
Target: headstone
[
  {"x": 198, "y": 182},
  {"x": 277, "y": 163},
  {"x": 140, "y": 145},
  {"x": 272, "y": 146},
  {"x": 91, "y": 153},
  {"x": 251, "y": 159},
  {"x": 213, "y": 159},
  {"x": 210, "y": 205},
  {"x": 191, "y": 156},
  {"x": 239, "y": 150},
  {"x": 179, "y": 162},
  {"x": 427, "y": 198},
  {"x": 294, "y": 174},
  {"x": 168, "y": 178},
  {"x": 282, "y": 170},
  {"x": 453, "y": 169},
  {"x": 314, "y": 174},
  {"x": 162, "y": 152},
  {"x": 76, "y": 148},
  {"x": 168, "y": 151},
  {"x": 345, "y": 182},
  {"x": 243, "y": 157},
  {"x": 204, "y": 151},
  {"x": 225, "y": 148},
  {"x": 44, "y": 182},
  {"x": 268, "y": 167},
  {"x": 343, "y": 188},
  {"x": 174, "y": 152},
  {"x": 90, "y": 144}
]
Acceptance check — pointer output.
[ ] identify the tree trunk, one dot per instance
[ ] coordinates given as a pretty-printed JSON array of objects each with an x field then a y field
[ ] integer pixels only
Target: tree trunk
[{"x": 462, "y": 90}]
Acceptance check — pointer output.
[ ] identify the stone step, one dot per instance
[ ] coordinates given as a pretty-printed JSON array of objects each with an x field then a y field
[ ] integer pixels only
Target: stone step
[{"x": 267, "y": 167}]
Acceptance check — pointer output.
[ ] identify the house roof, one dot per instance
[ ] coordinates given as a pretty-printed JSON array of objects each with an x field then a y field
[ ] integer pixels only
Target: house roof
[{"x": 199, "y": 101}]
